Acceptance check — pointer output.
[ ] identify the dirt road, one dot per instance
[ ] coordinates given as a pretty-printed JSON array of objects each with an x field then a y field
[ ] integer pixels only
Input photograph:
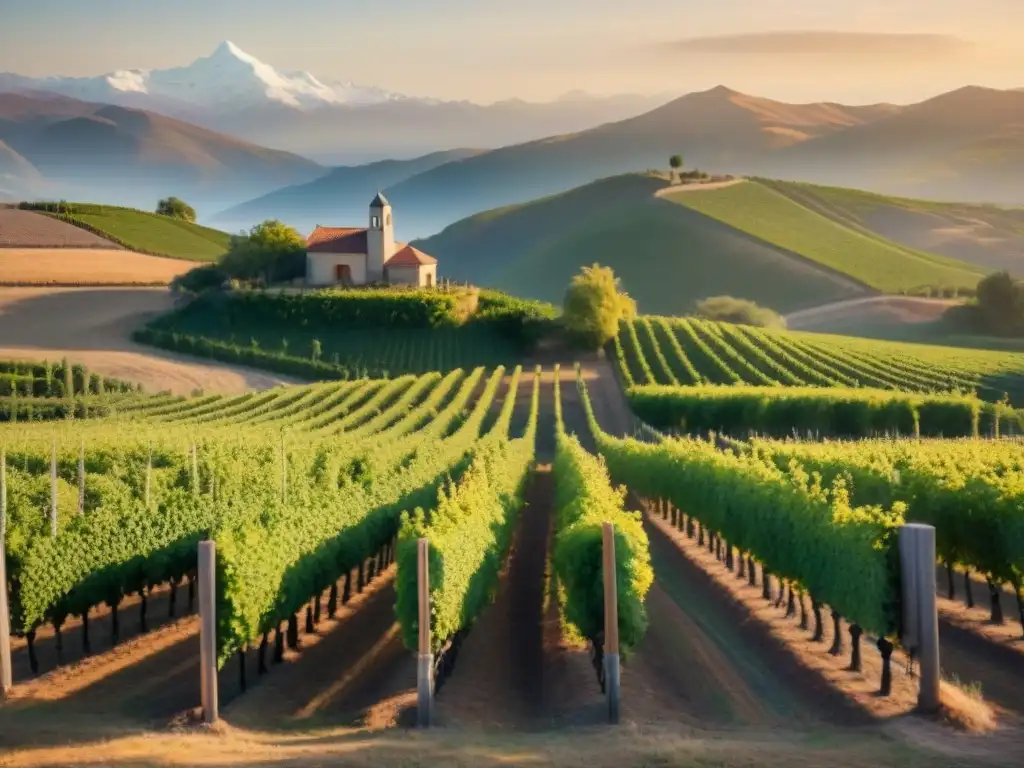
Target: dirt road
[
  {"x": 93, "y": 326},
  {"x": 904, "y": 309}
]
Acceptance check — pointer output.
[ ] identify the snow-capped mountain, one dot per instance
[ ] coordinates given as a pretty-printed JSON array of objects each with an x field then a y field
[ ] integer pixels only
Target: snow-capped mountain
[
  {"x": 231, "y": 91},
  {"x": 228, "y": 79}
]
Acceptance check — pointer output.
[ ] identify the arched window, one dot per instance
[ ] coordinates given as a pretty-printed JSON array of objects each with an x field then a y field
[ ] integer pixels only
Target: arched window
[
  {"x": 375, "y": 222},
  {"x": 387, "y": 220}
]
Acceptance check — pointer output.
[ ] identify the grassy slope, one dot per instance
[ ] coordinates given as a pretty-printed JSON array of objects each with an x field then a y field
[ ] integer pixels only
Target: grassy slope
[
  {"x": 989, "y": 236},
  {"x": 773, "y": 217},
  {"x": 668, "y": 256},
  {"x": 158, "y": 235}
]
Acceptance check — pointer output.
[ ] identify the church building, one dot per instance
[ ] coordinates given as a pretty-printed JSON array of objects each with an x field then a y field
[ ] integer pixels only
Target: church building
[{"x": 350, "y": 256}]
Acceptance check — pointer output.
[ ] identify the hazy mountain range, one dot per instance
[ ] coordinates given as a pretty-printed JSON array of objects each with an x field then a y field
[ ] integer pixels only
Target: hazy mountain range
[
  {"x": 57, "y": 147},
  {"x": 124, "y": 138},
  {"x": 337, "y": 122},
  {"x": 964, "y": 145}
]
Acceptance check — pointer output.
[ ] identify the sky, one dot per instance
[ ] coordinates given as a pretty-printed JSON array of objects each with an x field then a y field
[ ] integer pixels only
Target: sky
[{"x": 856, "y": 51}]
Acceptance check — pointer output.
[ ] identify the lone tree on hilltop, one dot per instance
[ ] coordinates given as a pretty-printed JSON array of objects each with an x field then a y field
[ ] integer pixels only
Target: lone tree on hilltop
[
  {"x": 675, "y": 163},
  {"x": 271, "y": 250},
  {"x": 176, "y": 209},
  {"x": 594, "y": 305}
]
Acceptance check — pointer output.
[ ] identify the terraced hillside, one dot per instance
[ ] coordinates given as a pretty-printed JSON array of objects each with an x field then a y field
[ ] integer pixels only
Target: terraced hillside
[
  {"x": 674, "y": 245},
  {"x": 989, "y": 236},
  {"x": 861, "y": 254},
  {"x": 142, "y": 231},
  {"x": 668, "y": 256},
  {"x": 691, "y": 351}
]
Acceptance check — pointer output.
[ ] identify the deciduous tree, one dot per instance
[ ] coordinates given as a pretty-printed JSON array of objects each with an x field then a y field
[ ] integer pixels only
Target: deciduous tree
[
  {"x": 594, "y": 305},
  {"x": 176, "y": 209},
  {"x": 271, "y": 250},
  {"x": 675, "y": 163}
]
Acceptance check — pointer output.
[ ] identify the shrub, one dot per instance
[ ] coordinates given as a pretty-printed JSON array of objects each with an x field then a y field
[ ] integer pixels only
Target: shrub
[
  {"x": 205, "y": 278},
  {"x": 739, "y": 311}
]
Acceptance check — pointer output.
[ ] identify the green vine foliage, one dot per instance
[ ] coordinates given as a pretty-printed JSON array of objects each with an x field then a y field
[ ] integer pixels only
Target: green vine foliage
[
  {"x": 971, "y": 491},
  {"x": 584, "y": 500},
  {"x": 832, "y": 412},
  {"x": 469, "y": 531},
  {"x": 269, "y": 565},
  {"x": 800, "y": 529}
]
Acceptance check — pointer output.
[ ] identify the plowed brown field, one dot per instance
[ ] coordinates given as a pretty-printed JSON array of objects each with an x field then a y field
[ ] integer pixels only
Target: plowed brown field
[
  {"x": 25, "y": 229},
  {"x": 85, "y": 266}
]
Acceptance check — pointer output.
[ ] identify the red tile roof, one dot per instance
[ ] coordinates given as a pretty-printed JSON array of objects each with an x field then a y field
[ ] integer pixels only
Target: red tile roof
[
  {"x": 337, "y": 240},
  {"x": 407, "y": 256}
]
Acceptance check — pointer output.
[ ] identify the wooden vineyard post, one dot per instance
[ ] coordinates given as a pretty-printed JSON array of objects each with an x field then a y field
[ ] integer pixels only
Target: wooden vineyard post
[
  {"x": 425, "y": 659},
  {"x": 611, "y": 625},
  {"x": 920, "y": 613},
  {"x": 6, "y": 676},
  {"x": 208, "y": 630}
]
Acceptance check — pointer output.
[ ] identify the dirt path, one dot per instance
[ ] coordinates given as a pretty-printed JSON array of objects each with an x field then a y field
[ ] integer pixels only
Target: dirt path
[
  {"x": 497, "y": 680},
  {"x": 93, "y": 326},
  {"x": 701, "y": 661},
  {"x": 353, "y": 669},
  {"x": 908, "y": 309},
  {"x": 678, "y": 188}
]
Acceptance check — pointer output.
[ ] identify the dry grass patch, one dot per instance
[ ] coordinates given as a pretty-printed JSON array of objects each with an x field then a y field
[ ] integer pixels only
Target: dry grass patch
[
  {"x": 74, "y": 266},
  {"x": 964, "y": 708}
]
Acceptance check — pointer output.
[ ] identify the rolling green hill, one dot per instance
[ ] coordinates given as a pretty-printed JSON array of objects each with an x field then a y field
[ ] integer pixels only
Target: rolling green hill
[
  {"x": 988, "y": 236},
  {"x": 148, "y": 232},
  {"x": 865, "y": 256},
  {"x": 673, "y": 247}
]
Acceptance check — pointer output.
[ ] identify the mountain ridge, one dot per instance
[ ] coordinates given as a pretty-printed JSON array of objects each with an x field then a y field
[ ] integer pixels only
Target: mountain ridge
[
  {"x": 119, "y": 153},
  {"x": 335, "y": 121}
]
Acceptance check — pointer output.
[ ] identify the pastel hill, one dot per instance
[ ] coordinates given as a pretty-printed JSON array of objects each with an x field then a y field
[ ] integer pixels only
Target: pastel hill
[
  {"x": 675, "y": 245},
  {"x": 967, "y": 144},
  {"x": 139, "y": 231}
]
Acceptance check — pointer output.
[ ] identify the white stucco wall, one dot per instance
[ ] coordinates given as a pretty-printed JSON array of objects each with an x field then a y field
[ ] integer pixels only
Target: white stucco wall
[
  {"x": 404, "y": 275},
  {"x": 321, "y": 268},
  {"x": 413, "y": 275}
]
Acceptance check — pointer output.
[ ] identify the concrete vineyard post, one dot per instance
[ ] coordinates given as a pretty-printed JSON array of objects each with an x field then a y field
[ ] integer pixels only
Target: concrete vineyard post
[
  {"x": 611, "y": 625},
  {"x": 53, "y": 489},
  {"x": 920, "y": 613},
  {"x": 425, "y": 658},
  {"x": 208, "y": 630},
  {"x": 6, "y": 676}
]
